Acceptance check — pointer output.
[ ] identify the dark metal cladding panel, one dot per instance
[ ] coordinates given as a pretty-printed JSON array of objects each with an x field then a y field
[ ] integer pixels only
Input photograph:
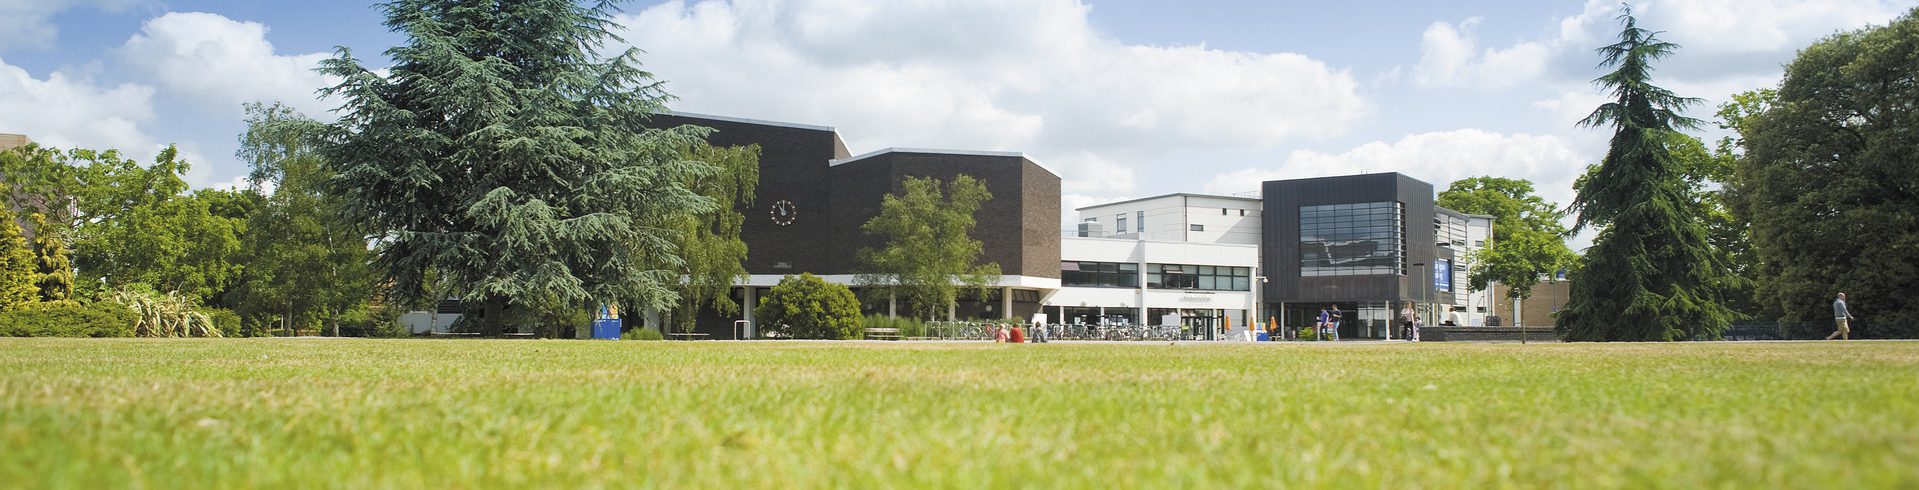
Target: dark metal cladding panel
[{"x": 1280, "y": 245}]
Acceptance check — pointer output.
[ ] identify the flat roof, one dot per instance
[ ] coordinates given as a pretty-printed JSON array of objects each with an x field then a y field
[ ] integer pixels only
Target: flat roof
[
  {"x": 935, "y": 151},
  {"x": 1468, "y": 215},
  {"x": 761, "y": 122},
  {"x": 1163, "y": 196}
]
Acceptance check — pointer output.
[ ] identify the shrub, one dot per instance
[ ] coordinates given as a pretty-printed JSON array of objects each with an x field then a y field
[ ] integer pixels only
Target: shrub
[
  {"x": 164, "y": 315},
  {"x": 68, "y": 319},
  {"x": 1309, "y": 333},
  {"x": 224, "y": 320},
  {"x": 642, "y": 333},
  {"x": 807, "y": 307}
]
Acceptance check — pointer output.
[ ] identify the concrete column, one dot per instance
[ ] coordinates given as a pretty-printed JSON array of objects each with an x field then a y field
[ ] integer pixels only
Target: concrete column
[
  {"x": 1005, "y": 303},
  {"x": 892, "y": 303},
  {"x": 752, "y": 301},
  {"x": 1141, "y": 314},
  {"x": 952, "y": 311}
]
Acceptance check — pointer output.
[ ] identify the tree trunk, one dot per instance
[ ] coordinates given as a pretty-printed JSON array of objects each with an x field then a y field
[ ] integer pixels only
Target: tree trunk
[{"x": 494, "y": 316}]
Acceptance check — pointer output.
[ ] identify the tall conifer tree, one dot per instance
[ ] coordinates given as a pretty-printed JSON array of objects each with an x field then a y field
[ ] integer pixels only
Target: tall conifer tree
[
  {"x": 504, "y": 152},
  {"x": 16, "y": 264},
  {"x": 1650, "y": 274},
  {"x": 53, "y": 264}
]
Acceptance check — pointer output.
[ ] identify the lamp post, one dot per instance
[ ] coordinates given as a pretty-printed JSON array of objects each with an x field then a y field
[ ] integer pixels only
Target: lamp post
[{"x": 1420, "y": 285}]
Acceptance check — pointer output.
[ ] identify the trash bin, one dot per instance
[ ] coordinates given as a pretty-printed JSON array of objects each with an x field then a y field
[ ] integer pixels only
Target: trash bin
[{"x": 606, "y": 329}]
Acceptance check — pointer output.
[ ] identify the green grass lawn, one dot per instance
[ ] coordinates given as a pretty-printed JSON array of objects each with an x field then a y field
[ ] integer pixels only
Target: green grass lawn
[{"x": 542, "y": 414}]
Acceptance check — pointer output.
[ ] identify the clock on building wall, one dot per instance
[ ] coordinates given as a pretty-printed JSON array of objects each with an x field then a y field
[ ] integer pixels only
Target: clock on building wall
[{"x": 783, "y": 212}]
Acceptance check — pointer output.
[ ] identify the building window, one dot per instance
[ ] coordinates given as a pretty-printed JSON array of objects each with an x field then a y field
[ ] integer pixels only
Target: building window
[
  {"x": 1352, "y": 239},
  {"x": 1242, "y": 212},
  {"x": 1099, "y": 274},
  {"x": 1200, "y": 277},
  {"x": 1198, "y": 227},
  {"x": 1121, "y": 221},
  {"x": 1222, "y": 211},
  {"x": 1141, "y": 222}
]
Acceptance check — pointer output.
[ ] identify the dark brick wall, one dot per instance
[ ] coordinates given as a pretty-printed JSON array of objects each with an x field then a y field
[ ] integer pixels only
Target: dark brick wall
[
  {"x": 793, "y": 167},
  {"x": 1012, "y": 226}
]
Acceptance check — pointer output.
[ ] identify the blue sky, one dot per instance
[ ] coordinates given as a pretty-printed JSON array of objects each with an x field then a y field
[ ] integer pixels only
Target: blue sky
[{"x": 1123, "y": 98}]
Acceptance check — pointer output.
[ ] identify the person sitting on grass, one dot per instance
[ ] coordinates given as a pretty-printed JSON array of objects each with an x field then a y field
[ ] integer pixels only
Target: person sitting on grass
[
  {"x": 999, "y": 333},
  {"x": 1017, "y": 335}
]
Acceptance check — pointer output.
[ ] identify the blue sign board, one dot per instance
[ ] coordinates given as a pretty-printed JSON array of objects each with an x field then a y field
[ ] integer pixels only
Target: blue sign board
[{"x": 1443, "y": 275}]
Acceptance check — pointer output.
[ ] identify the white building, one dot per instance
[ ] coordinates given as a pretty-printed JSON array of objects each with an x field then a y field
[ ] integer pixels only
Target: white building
[
  {"x": 1188, "y": 258},
  {"x": 1466, "y": 233},
  {"x": 1197, "y": 256}
]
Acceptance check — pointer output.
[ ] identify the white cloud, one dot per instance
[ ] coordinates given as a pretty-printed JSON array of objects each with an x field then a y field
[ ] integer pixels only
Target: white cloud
[
  {"x": 1551, "y": 162},
  {"x": 64, "y": 111},
  {"x": 1449, "y": 56},
  {"x": 24, "y": 23},
  {"x": 1022, "y": 75},
  {"x": 223, "y": 63}
]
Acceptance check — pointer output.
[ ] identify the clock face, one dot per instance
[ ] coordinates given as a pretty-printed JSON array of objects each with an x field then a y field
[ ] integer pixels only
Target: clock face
[{"x": 783, "y": 212}]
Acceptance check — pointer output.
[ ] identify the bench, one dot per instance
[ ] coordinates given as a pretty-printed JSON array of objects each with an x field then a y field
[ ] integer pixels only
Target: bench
[
  {"x": 882, "y": 334},
  {"x": 686, "y": 335}
]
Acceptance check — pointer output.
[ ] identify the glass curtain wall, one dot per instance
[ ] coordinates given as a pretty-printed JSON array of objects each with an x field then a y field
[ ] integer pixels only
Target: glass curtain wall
[{"x": 1352, "y": 239}]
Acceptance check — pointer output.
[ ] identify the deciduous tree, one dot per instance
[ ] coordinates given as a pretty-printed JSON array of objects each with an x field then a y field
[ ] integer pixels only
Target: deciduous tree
[
  {"x": 1527, "y": 239},
  {"x": 1829, "y": 181},
  {"x": 306, "y": 263},
  {"x": 713, "y": 254},
  {"x": 929, "y": 255}
]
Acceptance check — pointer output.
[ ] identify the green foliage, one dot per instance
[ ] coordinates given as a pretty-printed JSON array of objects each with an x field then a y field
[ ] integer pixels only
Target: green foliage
[
  {"x": 807, "y": 307},
  {"x": 165, "y": 315},
  {"x": 307, "y": 265},
  {"x": 38, "y": 180},
  {"x": 1527, "y": 237},
  {"x": 929, "y": 254},
  {"x": 53, "y": 263},
  {"x": 17, "y": 273},
  {"x": 712, "y": 253},
  {"x": 138, "y": 225},
  {"x": 1828, "y": 181},
  {"x": 68, "y": 319},
  {"x": 642, "y": 333},
  {"x": 223, "y": 320},
  {"x": 501, "y": 149},
  {"x": 1650, "y": 274}
]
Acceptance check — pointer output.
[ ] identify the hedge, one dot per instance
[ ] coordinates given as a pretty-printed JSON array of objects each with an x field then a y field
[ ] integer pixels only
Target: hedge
[{"x": 68, "y": 319}]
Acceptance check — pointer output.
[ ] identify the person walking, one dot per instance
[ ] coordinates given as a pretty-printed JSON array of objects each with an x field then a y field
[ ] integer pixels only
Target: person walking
[
  {"x": 1334, "y": 325},
  {"x": 1319, "y": 327},
  {"x": 1841, "y": 317},
  {"x": 1406, "y": 317}
]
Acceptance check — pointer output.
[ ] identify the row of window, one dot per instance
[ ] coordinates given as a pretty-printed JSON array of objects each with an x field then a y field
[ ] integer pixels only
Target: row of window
[
  {"x": 1158, "y": 276},
  {"x": 1202, "y": 277}
]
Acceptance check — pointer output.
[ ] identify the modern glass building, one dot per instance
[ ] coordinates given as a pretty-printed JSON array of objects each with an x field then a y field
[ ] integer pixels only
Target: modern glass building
[{"x": 1368, "y": 244}]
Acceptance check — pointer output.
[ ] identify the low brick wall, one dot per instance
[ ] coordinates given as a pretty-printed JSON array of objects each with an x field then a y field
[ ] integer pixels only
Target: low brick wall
[{"x": 1486, "y": 334}]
